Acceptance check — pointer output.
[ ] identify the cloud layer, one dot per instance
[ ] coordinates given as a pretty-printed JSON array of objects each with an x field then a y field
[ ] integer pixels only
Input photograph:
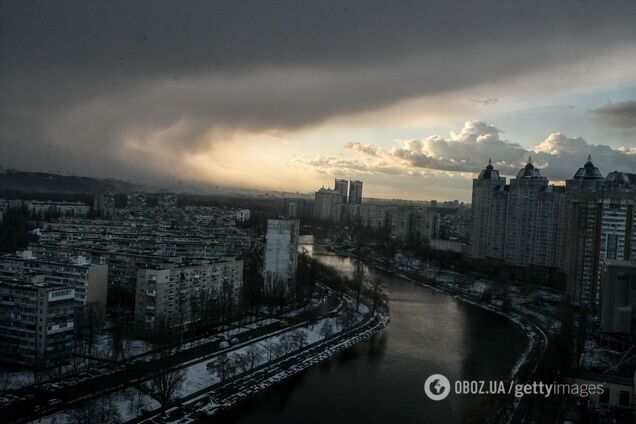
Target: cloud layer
[
  {"x": 619, "y": 114},
  {"x": 147, "y": 89},
  {"x": 469, "y": 150}
]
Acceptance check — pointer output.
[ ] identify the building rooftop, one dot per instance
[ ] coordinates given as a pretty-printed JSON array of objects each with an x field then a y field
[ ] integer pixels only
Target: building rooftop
[
  {"x": 529, "y": 171},
  {"x": 588, "y": 171},
  {"x": 489, "y": 173}
]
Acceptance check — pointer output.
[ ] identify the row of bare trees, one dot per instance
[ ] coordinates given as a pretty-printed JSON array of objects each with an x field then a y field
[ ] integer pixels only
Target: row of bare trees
[{"x": 227, "y": 366}]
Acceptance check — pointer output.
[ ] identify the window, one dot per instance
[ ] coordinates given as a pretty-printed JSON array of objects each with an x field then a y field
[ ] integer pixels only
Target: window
[
  {"x": 624, "y": 398},
  {"x": 612, "y": 246}
]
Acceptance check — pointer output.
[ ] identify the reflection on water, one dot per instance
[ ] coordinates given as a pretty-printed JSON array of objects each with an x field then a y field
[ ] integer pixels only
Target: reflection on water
[{"x": 381, "y": 380}]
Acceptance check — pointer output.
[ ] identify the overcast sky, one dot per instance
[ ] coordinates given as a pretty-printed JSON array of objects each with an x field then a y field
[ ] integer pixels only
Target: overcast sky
[{"x": 412, "y": 98}]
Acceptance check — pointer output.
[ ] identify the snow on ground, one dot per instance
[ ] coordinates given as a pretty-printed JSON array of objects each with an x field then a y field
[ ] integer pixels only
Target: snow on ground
[
  {"x": 127, "y": 404},
  {"x": 197, "y": 376},
  {"x": 19, "y": 379}
]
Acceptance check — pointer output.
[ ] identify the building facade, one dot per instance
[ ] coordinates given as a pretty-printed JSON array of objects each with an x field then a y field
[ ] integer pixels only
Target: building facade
[
  {"x": 182, "y": 294},
  {"x": 618, "y": 297},
  {"x": 328, "y": 205},
  {"x": 355, "y": 192},
  {"x": 89, "y": 281},
  {"x": 342, "y": 187},
  {"x": 36, "y": 322},
  {"x": 571, "y": 229},
  {"x": 281, "y": 255}
]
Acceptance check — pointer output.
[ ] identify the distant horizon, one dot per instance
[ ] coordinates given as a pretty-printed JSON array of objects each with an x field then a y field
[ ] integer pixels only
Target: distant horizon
[{"x": 199, "y": 189}]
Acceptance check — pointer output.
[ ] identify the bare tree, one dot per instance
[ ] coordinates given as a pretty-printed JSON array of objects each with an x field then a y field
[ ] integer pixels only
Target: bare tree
[
  {"x": 326, "y": 330},
  {"x": 4, "y": 377},
  {"x": 357, "y": 283},
  {"x": 377, "y": 295},
  {"x": 346, "y": 317},
  {"x": 222, "y": 365},
  {"x": 119, "y": 342},
  {"x": 240, "y": 363},
  {"x": 299, "y": 339},
  {"x": 136, "y": 403},
  {"x": 166, "y": 384},
  {"x": 98, "y": 411},
  {"x": 286, "y": 343},
  {"x": 91, "y": 320},
  {"x": 272, "y": 349},
  {"x": 253, "y": 355}
]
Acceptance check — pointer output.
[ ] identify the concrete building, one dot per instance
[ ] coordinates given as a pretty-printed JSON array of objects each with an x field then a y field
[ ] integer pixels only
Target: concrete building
[
  {"x": 400, "y": 224},
  {"x": 104, "y": 203},
  {"x": 523, "y": 223},
  {"x": 342, "y": 187},
  {"x": 281, "y": 255},
  {"x": 355, "y": 192},
  {"x": 180, "y": 294},
  {"x": 89, "y": 281},
  {"x": 42, "y": 208},
  {"x": 571, "y": 229},
  {"x": 299, "y": 208},
  {"x": 167, "y": 200},
  {"x": 489, "y": 203},
  {"x": 618, "y": 297},
  {"x": 374, "y": 216},
  {"x": 425, "y": 224},
  {"x": 136, "y": 200},
  {"x": 328, "y": 205},
  {"x": 36, "y": 322},
  {"x": 602, "y": 228},
  {"x": 242, "y": 215}
]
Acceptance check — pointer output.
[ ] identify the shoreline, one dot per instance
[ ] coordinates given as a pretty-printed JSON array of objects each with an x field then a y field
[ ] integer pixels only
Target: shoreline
[{"x": 210, "y": 401}]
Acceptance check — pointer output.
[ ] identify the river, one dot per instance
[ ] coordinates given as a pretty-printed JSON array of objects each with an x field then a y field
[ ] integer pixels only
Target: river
[{"x": 381, "y": 380}]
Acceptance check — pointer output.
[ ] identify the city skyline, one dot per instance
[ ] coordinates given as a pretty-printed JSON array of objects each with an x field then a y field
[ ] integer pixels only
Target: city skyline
[{"x": 290, "y": 106}]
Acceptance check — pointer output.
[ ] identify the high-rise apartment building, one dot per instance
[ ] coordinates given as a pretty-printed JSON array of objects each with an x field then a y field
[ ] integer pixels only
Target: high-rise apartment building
[
  {"x": 327, "y": 205},
  {"x": 355, "y": 192},
  {"x": 489, "y": 214},
  {"x": 281, "y": 255},
  {"x": 89, "y": 281},
  {"x": 104, "y": 203},
  {"x": 572, "y": 229},
  {"x": 36, "y": 322},
  {"x": 298, "y": 208},
  {"x": 181, "y": 294},
  {"x": 342, "y": 187},
  {"x": 522, "y": 215},
  {"x": 603, "y": 227}
]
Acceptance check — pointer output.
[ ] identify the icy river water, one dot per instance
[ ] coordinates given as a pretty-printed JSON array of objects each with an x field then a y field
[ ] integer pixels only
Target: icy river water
[{"x": 381, "y": 380}]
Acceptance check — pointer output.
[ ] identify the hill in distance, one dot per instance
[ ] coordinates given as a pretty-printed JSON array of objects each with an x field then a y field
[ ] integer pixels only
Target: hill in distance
[{"x": 42, "y": 182}]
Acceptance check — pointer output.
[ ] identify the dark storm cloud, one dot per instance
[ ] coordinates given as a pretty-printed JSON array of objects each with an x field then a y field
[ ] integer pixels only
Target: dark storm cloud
[
  {"x": 620, "y": 114},
  {"x": 79, "y": 78}
]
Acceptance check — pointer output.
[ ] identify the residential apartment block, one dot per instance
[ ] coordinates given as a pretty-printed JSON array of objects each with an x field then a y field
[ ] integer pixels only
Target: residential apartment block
[
  {"x": 281, "y": 255},
  {"x": 181, "y": 294},
  {"x": 36, "y": 322}
]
